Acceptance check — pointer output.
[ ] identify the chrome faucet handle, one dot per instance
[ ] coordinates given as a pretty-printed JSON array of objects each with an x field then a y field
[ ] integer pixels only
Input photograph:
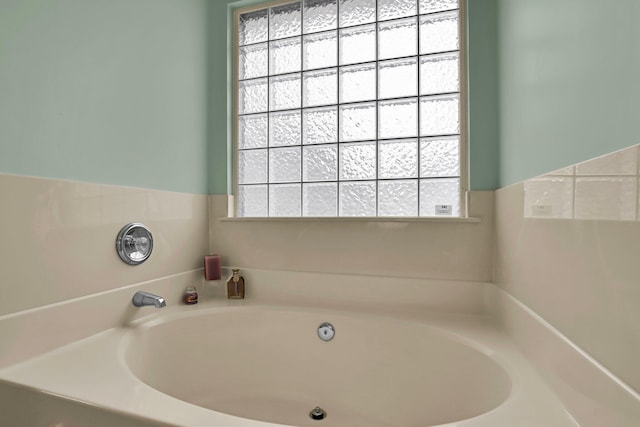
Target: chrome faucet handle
[{"x": 143, "y": 298}]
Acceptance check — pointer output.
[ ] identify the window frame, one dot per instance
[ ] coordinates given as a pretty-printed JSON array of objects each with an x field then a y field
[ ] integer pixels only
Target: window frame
[{"x": 463, "y": 118}]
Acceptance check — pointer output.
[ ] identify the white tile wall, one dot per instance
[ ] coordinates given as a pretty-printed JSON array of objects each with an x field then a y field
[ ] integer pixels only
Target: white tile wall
[
  {"x": 579, "y": 272},
  {"x": 58, "y": 238}
]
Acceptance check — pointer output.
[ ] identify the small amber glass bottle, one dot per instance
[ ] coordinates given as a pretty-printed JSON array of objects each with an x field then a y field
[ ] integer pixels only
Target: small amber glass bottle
[{"x": 235, "y": 285}]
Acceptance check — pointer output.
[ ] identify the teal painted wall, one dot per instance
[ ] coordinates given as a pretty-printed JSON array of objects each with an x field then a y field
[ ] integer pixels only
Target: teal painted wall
[
  {"x": 103, "y": 91},
  {"x": 483, "y": 107},
  {"x": 89, "y": 89},
  {"x": 568, "y": 82}
]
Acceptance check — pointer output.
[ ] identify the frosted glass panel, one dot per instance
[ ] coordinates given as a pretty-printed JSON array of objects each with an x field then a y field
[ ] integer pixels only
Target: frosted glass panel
[
  {"x": 358, "y": 121},
  {"x": 284, "y": 21},
  {"x": 320, "y": 163},
  {"x": 439, "y": 32},
  {"x": 358, "y": 161},
  {"x": 320, "y": 125},
  {"x": 436, "y": 195},
  {"x": 391, "y": 9},
  {"x": 253, "y": 27},
  {"x": 440, "y": 157},
  {"x": 358, "y": 44},
  {"x": 398, "y": 198},
  {"x": 252, "y": 167},
  {"x": 350, "y": 108},
  {"x": 357, "y": 198},
  {"x": 430, "y": 6},
  {"x": 358, "y": 83},
  {"x": 284, "y": 56},
  {"x": 285, "y": 128},
  {"x": 319, "y": 15},
  {"x": 397, "y": 38},
  {"x": 252, "y": 131},
  {"x": 252, "y": 96},
  {"x": 398, "y": 159},
  {"x": 284, "y": 164},
  {"x": 320, "y": 50},
  {"x": 252, "y": 61},
  {"x": 252, "y": 200},
  {"x": 320, "y": 199},
  {"x": 398, "y": 78},
  {"x": 398, "y": 118},
  {"x": 439, "y": 115},
  {"x": 284, "y": 92},
  {"x": 285, "y": 200},
  {"x": 356, "y": 12},
  {"x": 320, "y": 87},
  {"x": 439, "y": 74}
]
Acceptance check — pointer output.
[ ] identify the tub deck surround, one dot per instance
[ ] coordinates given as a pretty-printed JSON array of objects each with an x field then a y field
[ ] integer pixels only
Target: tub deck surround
[
  {"x": 95, "y": 371},
  {"x": 98, "y": 370}
]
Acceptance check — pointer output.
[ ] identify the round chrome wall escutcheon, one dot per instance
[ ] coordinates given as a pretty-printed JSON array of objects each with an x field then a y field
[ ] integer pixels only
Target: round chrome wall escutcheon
[{"x": 134, "y": 243}]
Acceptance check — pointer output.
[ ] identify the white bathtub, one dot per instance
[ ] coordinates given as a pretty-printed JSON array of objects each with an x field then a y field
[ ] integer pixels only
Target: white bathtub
[
  {"x": 255, "y": 363},
  {"x": 269, "y": 364}
]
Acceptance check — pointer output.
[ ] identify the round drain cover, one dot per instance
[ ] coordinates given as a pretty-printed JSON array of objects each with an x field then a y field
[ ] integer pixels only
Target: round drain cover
[{"x": 317, "y": 413}]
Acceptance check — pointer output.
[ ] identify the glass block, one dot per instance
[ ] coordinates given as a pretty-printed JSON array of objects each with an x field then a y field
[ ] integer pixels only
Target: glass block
[
  {"x": 320, "y": 125},
  {"x": 430, "y": 6},
  {"x": 398, "y": 159},
  {"x": 320, "y": 50},
  {"x": 606, "y": 198},
  {"x": 358, "y": 44},
  {"x": 441, "y": 193},
  {"x": 320, "y": 163},
  {"x": 284, "y": 128},
  {"x": 357, "y": 198},
  {"x": 358, "y": 121},
  {"x": 284, "y": 92},
  {"x": 284, "y": 21},
  {"x": 253, "y": 27},
  {"x": 252, "y": 131},
  {"x": 320, "y": 199},
  {"x": 548, "y": 197},
  {"x": 439, "y": 73},
  {"x": 398, "y": 78},
  {"x": 252, "y": 166},
  {"x": 284, "y": 164},
  {"x": 252, "y": 96},
  {"x": 356, "y": 12},
  {"x": 320, "y": 87},
  {"x": 357, "y": 161},
  {"x": 398, "y": 118},
  {"x": 358, "y": 83},
  {"x": 397, "y": 38},
  {"x": 252, "y": 61},
  {"x": 440, "y": 157},
  {"x": 439, "y": 32},
  {"x": 320, "y": 15},
  {"x": 284, "y": 56},
  {"x": 398, "y": 198},
  {"x": 440, "y": 115},
  {"x": 392, "y": 9},
  {"x": 285, "y": 200},
  {"x": 252, "y": 201}
]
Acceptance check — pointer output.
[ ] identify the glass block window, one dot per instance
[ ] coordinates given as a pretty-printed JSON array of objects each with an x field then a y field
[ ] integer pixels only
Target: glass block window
[{"x": 348, "y": 108}]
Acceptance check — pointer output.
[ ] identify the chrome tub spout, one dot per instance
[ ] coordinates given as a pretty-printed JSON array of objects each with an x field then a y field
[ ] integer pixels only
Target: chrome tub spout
[{"x": 142, "y": 298}]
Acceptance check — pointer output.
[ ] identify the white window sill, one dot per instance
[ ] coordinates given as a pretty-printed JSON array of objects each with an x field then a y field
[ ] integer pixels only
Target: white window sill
[{"x": 429, "y": 219}]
